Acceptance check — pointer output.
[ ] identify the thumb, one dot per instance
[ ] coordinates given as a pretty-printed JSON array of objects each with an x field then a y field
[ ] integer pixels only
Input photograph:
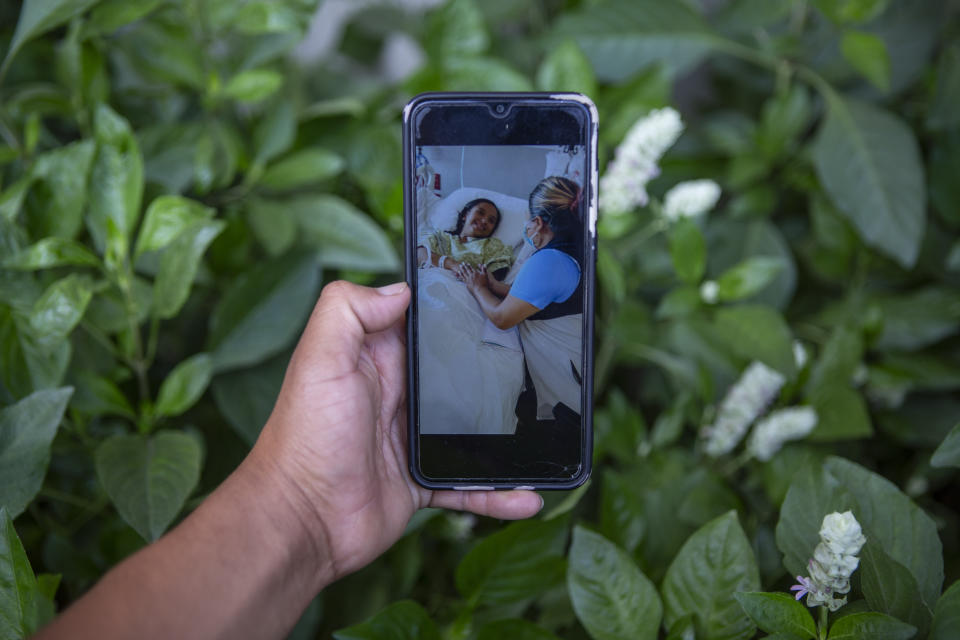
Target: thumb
[{"x": 343, "y": 316}]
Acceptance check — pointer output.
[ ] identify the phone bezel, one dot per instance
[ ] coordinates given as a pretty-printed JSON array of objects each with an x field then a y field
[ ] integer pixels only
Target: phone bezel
[{"x": 466, "y": 443}]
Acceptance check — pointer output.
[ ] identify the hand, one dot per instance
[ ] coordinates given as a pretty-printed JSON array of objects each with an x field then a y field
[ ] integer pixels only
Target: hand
[
  {"x": 473, "y": 277},
  {"x": 338, "y": 434}
]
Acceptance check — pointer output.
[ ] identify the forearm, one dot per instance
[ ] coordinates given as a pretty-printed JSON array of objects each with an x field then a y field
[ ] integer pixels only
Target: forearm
[
  {"x": 242, "y": 565},
  {"x": 499, "y": 289},
  {"x": 489, "y": 304}
]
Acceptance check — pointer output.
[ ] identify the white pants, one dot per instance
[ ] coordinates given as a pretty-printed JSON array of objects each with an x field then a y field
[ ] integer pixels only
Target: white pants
[{"x": 554, "y": 349}]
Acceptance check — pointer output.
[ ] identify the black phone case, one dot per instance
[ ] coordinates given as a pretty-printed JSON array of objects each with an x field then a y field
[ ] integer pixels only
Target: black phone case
[{"x": 409, "y": 217}]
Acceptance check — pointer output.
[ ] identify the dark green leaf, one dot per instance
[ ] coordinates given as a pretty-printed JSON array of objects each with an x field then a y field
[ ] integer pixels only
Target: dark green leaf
[
  {"x": 51, "y": 252},
  {"x": 404, "y": 620},
  {"x": 875, "y": 626},
  {"x": 611, "y": 596},
  {"x": 18, "y": 587},
  {"x": 730, "y": 242},
  {"x": 149, "y": 478},
  {"x": 272, "y": 225},
  {"x": 96, "y": 395},
  {"x": 625, "y": 36},
  {"x": 485, "y": 74},
  {"x": 265, "y": 17},
  {"x": 943, "y": 113},
  {"x": 46, "y": 606},
  {"x": 946, "y": 617},
  {"x": 166, "y": 52},
  {"x": 867, "y": 54},
  {"x": 60, "y": 308},
  {"x": 688, "y": 250},
  {"x": 345, "y": 236},
  {"x": 27, "y": 364},
  {"x": 748, "y": 277},
  {"x": 869, "y": 163},
  {"x": 669, "y": 425},
  {"x": 778, "y": 612},
  {"x": 116, "y": 185},
  {"x": 166, "y": 218},
  {"x": 948, "y": 453},
  {"x": 184, "y": 385},
  {"x": 11, "y": 198},
  {"x": 516, "y": 563},
  {"x": 566, "y": 69},
  {"x": 263, "y": 311},
  {"x": 275, "y": 133},
  {"x": 758, "y": 333},
  {"x": 919, "y": 318},
  {"x": 178, "y": 266},
  {"x": 61, "y": 177},
  {"x": 888, "y": 517},
  {"x": 841, "y": 414},
  {"x": 457, "y": 30},
  {"x": 714, "y": 564},
  {"x": 302, "y": 168},
  {"x": 246, "y": 397},
  {"x": 38, "y": 17},
  {"x": 26, "y": 431},
  {"x": 845, "y": 11},
  {"x": 889, "y": 588},
  {"x": 110, "y": 15},
  {"x": 253, "y": 85},
  {"x": 515, "y": 630}
]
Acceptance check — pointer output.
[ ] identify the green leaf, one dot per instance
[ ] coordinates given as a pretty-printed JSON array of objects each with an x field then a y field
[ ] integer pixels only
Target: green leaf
[
  {"x": 623, "y": 37},
  {"x": 253, "y": 85},
  {"x": 40, "y": 16},
  {"x": 302, "y": 168},
  {"x": 116, "y": 185},
  {"x": 778, "y": 612},
  {"x": 869, "y": 163},
  {"x": 515, "y": 563},
  {"x": 867, "y": 54},
  {"x": 110, "y": 15},
  {"x": 566, "y": 69},
  {"x": 96, "y": 396},
  {"x": 515, "y": 630},
  {"x": 18, "y": 586},
  {"x": 748, "y": 277},
  {"x": 756, "y": 332},
  {"x": 688, "y": 250},
  {"x": 611, "y": 596},
  {"x": 404, "y": 620},
  {"x": 27, "y": 364},
  {"x": 948, "y": 453},
  {"x": 714, "y": 564},
  {"x": 730, "y": 242},
  {"x": 26, "y": 431},
  {"x": 149, "y": 478},
  {"x": 51, "y": 252},
  {"x": 946, "y": 617},
  {"x": 875, "y": 626},
  {"x": 272, "y": 225},
  {"x": 275, "y": 133},
  {"x": 11, "y": 198},
  {"x": 943, "y": 113},
  {"x": 184, "y": 385},
  {"x": 60, "y": 309},
  {"x": 246, "y": 397},
  {"x": 265, "y": 17},
  {"x": 841, "y": 410},
  {"x": 263, "y": 311},
  {"x": 61, "y": 178},
  {"x": 166, "y": 218},
  {"x": 483, "y": 74},
  {"x": 845, "y": 11},
  {"x": 919, "y": 318},
  {"x": 46, "y": 606},
  {"x": 345, "y": 236},
  {"x": 888, "y": 518},
  {"x": 178, "y": 267},
  {"x": 889, "y": 588},
  {"x": 456, "y": 30}
]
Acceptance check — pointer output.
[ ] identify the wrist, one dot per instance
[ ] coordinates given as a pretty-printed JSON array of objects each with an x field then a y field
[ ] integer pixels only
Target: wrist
[{"x": 285, "y": 512}]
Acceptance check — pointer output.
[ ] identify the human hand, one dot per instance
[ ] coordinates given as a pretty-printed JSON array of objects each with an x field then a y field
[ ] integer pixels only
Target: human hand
[
  {"x": 337, "y": 437},
  {"x": 474, "y": 278}
]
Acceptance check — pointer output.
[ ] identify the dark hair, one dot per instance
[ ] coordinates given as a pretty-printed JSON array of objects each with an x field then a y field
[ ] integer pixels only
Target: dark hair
[
  {"x": 462, "y": 216},
  {"x": 558, "y": 202}
]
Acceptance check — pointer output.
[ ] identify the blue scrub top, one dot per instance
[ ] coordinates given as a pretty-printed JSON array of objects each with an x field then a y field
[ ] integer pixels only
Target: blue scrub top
[{"x": 548, "y": 276}]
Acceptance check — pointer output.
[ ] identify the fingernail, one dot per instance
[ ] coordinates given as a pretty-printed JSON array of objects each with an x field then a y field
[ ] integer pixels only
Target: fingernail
[{"x": 392, "y": 289}]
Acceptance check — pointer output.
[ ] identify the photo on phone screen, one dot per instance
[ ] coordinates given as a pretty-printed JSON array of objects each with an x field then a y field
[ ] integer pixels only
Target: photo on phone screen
[{"x": 503, "y": 268}]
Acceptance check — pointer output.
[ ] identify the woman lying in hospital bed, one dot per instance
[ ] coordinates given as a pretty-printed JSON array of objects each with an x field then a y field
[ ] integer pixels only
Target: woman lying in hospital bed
[{"x": 470, "y": 372}]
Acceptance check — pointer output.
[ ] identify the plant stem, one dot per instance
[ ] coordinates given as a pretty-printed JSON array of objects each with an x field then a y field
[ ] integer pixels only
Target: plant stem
[{"x": 822, "y": 624}]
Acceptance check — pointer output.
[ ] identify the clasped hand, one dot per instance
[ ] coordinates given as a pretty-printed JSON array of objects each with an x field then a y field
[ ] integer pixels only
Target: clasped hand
[{"x": 473, "y": 277}]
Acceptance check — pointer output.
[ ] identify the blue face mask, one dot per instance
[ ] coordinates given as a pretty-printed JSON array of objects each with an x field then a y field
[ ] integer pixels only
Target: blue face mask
[{"x": 527, "y": 238}]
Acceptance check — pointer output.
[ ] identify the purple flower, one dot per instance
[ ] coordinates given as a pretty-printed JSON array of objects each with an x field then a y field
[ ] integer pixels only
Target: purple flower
[{"x": 802, "y": 589}]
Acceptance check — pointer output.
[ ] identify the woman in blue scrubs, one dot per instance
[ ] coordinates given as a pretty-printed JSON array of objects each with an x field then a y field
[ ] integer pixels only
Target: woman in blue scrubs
[{"x": 545, "y": 300}]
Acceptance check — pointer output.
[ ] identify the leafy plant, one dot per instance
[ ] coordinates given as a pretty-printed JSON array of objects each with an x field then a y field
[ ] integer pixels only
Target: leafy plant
[{"x": 176, "y": 185}]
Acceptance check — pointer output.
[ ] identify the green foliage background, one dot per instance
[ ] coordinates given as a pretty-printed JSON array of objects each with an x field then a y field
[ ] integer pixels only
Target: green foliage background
[{"x": 175, "y": 189}]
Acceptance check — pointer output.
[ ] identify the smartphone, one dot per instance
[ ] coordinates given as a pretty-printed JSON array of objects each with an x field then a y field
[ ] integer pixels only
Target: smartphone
[{"x": 500, "y": 209}]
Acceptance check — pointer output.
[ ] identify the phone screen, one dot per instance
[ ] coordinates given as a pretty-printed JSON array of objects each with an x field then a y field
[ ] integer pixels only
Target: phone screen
[{"x": 500, "y": 256}]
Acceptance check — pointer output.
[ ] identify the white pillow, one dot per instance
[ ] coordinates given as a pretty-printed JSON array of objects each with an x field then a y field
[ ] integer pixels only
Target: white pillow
[{"x": 514, "y": 213}]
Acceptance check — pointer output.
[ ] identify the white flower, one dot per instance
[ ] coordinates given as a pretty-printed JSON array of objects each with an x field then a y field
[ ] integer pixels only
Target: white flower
[
  {"x": 624, "y": 185},
  {"x": 709, "y": 291},
  {"x": 799, "y": 354},
  {"x": 756, "y": 388},
  {"x": 779, "y": 427},
  {"x": 833, "y": 562},
  {"x": 690, "y": 199}
]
